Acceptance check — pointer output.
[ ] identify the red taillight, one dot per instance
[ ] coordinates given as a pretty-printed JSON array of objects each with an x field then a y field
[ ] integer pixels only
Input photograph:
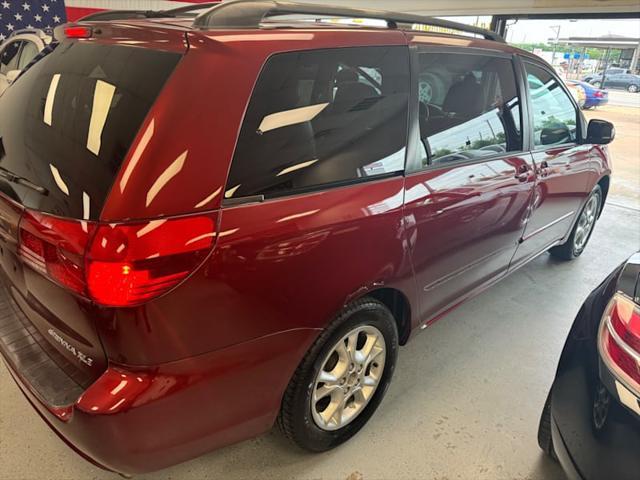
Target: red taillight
[
  {"x": 78, "y": 32},
  {"x": 128, "y": 264},
  {"x": 118, "y": 264},
  {"x": 619, "y": 339},
  {"x": 55, "y": 247},
  {"x": 598, "y": 94}
]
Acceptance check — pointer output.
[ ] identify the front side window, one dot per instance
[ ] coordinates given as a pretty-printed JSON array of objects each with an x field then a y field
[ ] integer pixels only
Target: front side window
[
  {"x": 323, "y": 117},
  {"x": 9, "y": 57},
  {"x": 469, "y": 107},
  {"x": 554, "y": 115}
]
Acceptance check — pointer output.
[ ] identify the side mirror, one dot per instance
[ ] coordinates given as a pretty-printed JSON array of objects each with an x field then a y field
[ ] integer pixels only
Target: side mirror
[
  {"x": 555, "y": 134},
  {"x": 600, "y": 132},
  {"x": 13, "y": 75}
]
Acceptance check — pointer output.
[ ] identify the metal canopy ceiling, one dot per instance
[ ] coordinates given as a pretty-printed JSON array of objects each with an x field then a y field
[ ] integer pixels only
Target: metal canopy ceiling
[{"x": 510, "y": 8}]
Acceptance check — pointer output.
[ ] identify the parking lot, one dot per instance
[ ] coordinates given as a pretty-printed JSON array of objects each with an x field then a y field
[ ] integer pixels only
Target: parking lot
[
  {"x": 467, "y": 393},
  {"x": 620, "y": 98}
]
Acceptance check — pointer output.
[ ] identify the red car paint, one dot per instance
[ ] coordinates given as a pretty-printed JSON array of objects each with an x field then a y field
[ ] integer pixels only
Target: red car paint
[{"x": 206, "y": 364}]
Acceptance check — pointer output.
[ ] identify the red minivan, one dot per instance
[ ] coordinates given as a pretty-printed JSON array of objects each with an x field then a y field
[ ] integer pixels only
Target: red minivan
[{"x": 209, "y": 226}]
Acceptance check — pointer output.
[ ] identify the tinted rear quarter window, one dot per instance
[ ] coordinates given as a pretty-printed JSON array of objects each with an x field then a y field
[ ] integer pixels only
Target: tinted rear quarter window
[
  {"x": 324, "y": 117},
  {"x": 68, "y": 122}
]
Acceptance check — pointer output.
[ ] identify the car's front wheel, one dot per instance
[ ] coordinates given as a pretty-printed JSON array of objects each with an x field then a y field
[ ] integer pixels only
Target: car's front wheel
[
  {"x": 583, "y": 228},
  {"x": 632, "y": 88},
  {"x": 342, "y": 379}
]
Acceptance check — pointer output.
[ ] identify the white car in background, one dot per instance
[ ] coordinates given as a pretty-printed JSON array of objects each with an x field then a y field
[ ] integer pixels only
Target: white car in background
[{"x": 17, "y": 51}]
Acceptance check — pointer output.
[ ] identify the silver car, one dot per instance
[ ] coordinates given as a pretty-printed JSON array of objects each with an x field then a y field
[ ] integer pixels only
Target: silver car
[{"x": 17, "y": 51}]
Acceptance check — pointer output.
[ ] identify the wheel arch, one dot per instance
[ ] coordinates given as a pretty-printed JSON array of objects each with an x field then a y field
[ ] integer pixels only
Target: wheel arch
[
  {"x": 604, "y": 183},
  {"x": 398, "y": 303}
]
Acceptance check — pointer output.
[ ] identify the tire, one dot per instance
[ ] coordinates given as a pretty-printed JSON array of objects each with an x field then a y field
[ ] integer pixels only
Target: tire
[
  {"x": 545, "y": 441},
  {"x": 579, "y": 238},
  {"x": 297, "y": 420},
  {"x": 597, "y": 84},
  {"x": 632, "y": 88}
]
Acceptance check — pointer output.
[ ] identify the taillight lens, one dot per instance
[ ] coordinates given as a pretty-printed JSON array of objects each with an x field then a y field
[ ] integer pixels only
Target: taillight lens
[
  {"x": 598, "y": 94},
  {"x": 117, "y": 264},
  {"x": 128, "y": 264},
  {"x": 55, "y": 247},
  {"x": 77, "y": 31},
  {"x": 619, "y": 339}
]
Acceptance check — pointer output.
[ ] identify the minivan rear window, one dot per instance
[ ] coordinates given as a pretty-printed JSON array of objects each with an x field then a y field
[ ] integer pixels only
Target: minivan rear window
[{"x": 67, "y": 123}]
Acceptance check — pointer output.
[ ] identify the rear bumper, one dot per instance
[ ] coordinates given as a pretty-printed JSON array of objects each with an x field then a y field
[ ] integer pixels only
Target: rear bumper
[
  {"x": 596, "y": 102},
  {"x": 135, "y": 420}
]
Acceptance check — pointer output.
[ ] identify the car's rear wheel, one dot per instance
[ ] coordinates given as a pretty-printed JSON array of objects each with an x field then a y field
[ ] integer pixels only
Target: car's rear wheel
[
  {"x": 632, "y": 88},
  {"x": 583, "y": 228},
  {"x": 342, "y": 379}
]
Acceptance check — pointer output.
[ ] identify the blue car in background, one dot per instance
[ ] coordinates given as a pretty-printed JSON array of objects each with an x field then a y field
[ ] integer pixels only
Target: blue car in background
[{"x": 594, "y": 96}]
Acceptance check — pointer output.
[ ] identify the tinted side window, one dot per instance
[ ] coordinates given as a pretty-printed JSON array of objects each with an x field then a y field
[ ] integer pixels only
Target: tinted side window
[
  {"x": 554, "y": 115},
  {"x": 469, "y": 106},
  {"x": 9, "y": 57},
  {"x": 323, "y": 117}
]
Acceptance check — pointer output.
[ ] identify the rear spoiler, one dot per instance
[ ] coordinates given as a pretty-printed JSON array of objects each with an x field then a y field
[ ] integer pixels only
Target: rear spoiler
[{"x": 108, "y": 15}]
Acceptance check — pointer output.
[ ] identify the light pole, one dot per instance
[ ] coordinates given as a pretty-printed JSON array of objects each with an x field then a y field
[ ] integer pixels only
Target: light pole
[{"x": 557, "y": 29}]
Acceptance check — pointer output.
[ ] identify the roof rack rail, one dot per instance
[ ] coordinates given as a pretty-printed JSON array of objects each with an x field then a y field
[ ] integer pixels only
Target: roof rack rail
[{"x": 238, "y": 14}]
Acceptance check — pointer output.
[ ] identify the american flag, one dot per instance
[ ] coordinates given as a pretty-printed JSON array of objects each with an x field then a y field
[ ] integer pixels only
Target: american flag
[{"x": 19, "y": 14}]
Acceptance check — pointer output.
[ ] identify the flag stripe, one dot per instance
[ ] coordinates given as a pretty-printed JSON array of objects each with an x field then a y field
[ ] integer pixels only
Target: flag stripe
[
  {"x": 130, "y": 4},
  {"x": 76, "y": 13}
]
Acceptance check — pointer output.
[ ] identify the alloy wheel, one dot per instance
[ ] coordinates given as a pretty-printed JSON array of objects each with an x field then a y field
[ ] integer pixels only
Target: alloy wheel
[
  {"x": 632, "y": 88},
  {"x": 349, "y": 377},
  {"x": 586, "y": 222},
  {"x": 601, "y": 404}
]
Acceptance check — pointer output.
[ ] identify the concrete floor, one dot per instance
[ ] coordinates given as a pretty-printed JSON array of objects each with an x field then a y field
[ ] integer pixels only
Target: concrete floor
[{"x": 464, "y": 403}]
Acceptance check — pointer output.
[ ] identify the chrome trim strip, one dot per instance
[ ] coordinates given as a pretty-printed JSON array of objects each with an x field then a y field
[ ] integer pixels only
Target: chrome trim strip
[
  {"x": 460, "y": 271},
  {"x": 557, "y": 220}
]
